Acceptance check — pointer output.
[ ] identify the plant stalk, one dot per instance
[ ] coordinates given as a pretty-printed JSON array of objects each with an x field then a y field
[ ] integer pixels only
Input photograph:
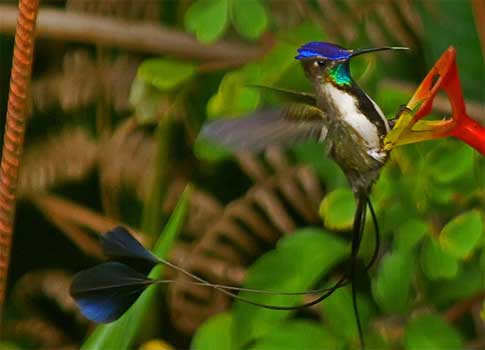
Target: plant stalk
[{"x": 13, "y": 139}]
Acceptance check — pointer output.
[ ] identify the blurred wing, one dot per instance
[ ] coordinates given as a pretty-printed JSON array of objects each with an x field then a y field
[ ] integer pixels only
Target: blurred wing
[
  {"x": 118, "y": 244},
  {"x": 106, "y": 291},
  {"x": 267, "y": 128},
  {"x": 289, "y": 95}
]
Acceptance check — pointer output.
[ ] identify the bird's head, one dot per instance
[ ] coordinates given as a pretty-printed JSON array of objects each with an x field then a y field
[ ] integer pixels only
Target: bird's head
[{"x": 327, "y": 62}]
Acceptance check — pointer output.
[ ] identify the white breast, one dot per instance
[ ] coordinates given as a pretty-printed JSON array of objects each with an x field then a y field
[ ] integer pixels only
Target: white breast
[{"x": 351, "y": 115}]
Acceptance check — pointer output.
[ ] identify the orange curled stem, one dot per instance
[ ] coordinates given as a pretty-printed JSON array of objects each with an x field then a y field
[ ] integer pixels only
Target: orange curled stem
[{"x": 13, "y": 138}]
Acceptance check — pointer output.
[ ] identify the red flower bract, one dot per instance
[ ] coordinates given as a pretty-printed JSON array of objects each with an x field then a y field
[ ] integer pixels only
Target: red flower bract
[{"x": 411, "y": 128}]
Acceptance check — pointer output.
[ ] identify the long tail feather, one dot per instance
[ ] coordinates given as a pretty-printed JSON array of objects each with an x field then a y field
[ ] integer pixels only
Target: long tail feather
[
  {"x": 376, "y": 235},
  {"x": 357, "y": 233},
  {"x": 106, "y": 291},
  {"x": 119, "y": 244}
]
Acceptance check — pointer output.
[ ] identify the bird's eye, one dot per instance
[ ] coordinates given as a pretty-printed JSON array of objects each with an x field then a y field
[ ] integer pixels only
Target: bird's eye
[{"x": 319, "y": 63}]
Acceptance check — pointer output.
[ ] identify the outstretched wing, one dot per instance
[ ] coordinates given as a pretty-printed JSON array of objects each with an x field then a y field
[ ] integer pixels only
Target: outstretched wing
[
  {"x": 288, "y": 95},
  {"x": 280, "y": 127}
]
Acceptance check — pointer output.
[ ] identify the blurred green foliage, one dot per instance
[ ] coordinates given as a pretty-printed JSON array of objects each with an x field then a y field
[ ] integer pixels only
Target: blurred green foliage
[{"x": 208, "y": 19}]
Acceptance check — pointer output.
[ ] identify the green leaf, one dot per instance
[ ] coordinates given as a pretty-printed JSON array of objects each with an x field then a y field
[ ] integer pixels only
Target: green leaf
[
  {"x": 249, "y": 18},
  {"x": 296, "y": 264},
  {"x": 276, "y": 63},
  {"x": 234, "y": 97},
  {"x": 462, "y": 234},
  {"x": 392, "y": 286},
  {"x": 122, "y": 333},
  {"x": 465, "y": 284},
  {"x": 339, "y": 315},
  {"x": 435, "y": 262},
  {"x": 208, "y": 19},
  {"x": 215, "y": 333},
  {"x": 337, "y": 209},
  {"x": 431, "y": 332},
  {"x": 149, "y": 102},
  {"x": 211, "y": 151},
  {"x": 165, "y": 74},
  {"x": 450, "y": 161},
  {"x": 441, "y": 194},
  {"x": 410, "y": 234},
  {"x": 298, "y": 334}
]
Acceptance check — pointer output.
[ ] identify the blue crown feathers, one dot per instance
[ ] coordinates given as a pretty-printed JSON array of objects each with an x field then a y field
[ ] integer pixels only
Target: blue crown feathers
[{"x": 323, "y": 49}]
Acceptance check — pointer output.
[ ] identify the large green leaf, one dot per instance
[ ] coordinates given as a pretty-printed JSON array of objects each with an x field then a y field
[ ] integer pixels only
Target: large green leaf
[
  {"x": 165, "y": 74},
  {"x": 462, "y": 234},
  {"x": 208, "y": 19},
  {"x": 233, "y": 96},
  {"x": 337, "y": 209},
  {"x": 276, "y": 63},
  {"x": 410, "y": 234},
  {"x": 338, "y": 313},
  {"x": 122, "y": 333},
  {"x": 435, "y": 262},
  {"x": 450, "y": 160},
  {"x": 214, "y": 334},
  {"x": 431, "y": 332},
  {"x": 249, "y": 18},
  {"x": 299, "y": 334},
  {"x": 296, "y": 264},
  {"x": 465, "y": 284},
  {"x": 392, "y": 286}
]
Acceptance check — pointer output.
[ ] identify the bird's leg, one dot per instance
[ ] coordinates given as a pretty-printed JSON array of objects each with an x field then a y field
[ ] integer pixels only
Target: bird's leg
[{"x": 402, "y": 109}]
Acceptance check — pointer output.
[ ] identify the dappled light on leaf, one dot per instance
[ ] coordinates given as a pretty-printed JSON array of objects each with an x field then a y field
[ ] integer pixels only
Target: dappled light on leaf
[{"x": 337, "y": 209}]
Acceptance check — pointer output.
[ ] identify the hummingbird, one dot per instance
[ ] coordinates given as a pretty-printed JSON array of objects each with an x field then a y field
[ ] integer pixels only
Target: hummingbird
[{"x": 340, "y": 114}]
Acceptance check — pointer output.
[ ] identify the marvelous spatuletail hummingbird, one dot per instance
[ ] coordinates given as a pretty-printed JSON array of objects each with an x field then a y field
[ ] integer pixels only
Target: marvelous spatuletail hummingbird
[{"x": 339, "y": 114}]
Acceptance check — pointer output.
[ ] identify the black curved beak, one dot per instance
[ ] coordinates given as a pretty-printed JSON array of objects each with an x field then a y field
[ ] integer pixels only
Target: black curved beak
[{"x": 362, "y": 51}]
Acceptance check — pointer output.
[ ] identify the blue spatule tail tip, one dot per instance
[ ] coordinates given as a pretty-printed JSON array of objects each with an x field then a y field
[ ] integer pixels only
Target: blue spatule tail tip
[
  {"x": 118, "y": 244},
  {"x": 104, "y": 292}
]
